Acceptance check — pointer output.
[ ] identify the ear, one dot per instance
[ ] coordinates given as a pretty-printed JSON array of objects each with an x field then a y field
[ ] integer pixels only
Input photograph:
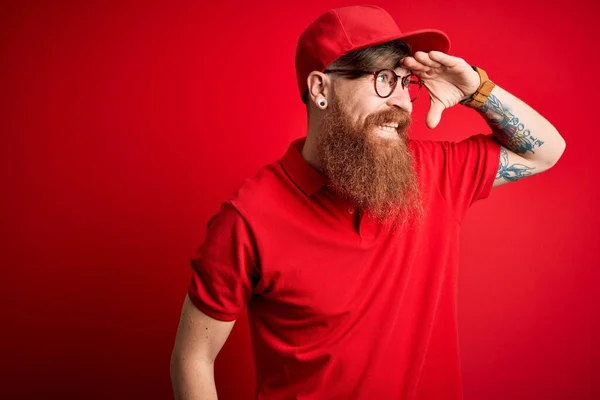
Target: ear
[{"x": 318, "y": 86}]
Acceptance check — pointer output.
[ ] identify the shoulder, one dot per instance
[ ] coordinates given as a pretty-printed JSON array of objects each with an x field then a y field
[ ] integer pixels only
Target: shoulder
[
  {"x": 264, "y": 191},
  {"x": 429, "y": 151}
]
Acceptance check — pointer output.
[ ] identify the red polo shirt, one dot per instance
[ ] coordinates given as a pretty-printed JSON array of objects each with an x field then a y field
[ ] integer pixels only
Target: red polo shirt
[{"x": 340, "y": 307}]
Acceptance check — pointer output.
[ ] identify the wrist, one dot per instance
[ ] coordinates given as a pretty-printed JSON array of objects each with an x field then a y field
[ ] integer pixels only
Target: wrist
[{"x": 484, "y": 90}]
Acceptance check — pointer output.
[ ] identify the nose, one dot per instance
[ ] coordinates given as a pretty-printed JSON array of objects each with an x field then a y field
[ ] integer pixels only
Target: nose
[{"x": 400, "y": 98}]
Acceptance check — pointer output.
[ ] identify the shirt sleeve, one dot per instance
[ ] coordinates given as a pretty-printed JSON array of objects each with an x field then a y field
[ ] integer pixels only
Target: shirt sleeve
[
  {"x": 224, "y": 269},
  {"x": 469, "y": 169}
]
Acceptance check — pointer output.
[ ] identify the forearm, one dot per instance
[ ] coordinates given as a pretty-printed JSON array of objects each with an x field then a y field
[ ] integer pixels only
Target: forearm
[
  {"x": 192, "y": 380},
  {"x": 521, "y": 129}
]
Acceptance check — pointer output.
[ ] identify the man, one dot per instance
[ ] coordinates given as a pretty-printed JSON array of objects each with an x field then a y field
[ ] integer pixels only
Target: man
[{"x": 345, "y": 251}]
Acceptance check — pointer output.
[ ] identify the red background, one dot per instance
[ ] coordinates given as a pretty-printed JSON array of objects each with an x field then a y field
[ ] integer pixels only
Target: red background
[{"x": 124, "y": 125}]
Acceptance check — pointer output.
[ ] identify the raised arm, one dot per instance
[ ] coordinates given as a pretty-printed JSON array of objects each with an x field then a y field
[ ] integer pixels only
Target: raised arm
[
  {"x": 199, "y": 339},
  {"x": 529, "y": 143}
]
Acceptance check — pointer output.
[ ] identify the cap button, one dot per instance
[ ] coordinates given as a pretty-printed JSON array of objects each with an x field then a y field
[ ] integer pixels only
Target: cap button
[{"x": 350, "y": 210}]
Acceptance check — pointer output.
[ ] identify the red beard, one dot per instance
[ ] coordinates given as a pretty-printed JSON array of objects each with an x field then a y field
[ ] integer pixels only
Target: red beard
[{"x": 375, "y": 173}]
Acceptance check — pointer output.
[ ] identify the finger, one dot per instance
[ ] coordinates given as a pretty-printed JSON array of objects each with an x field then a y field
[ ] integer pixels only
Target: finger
[
  {"x": 413, "y": 65},
  {"x": 435, "y": 114},
  {"x": 424, "y": 59},
  {"x": 444, "y": 59},
  {"x": 425, "y": 74}
]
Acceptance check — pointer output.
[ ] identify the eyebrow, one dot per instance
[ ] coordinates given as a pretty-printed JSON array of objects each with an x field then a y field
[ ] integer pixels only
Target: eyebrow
[{"x": 403, "y": 72}]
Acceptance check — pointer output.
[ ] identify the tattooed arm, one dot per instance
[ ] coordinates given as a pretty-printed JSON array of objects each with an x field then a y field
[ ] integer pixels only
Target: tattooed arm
[{"x": 530, "y": 144}]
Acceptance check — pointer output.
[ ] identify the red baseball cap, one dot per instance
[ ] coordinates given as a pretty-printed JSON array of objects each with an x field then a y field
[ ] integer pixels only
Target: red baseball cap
[{"x": 344, "y": 30}]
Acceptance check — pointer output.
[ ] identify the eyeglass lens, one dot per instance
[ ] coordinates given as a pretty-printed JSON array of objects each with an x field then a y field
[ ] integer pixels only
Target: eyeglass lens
[{"x": 386, "y": 81}]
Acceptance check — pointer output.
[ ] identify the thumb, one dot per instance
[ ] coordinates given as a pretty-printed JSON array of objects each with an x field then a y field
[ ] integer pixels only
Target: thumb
[{"x": 435, "y": 114}]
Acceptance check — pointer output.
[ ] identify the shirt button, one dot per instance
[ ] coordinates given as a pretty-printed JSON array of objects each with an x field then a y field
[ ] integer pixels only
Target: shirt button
[{"x": 350, "y": 210}]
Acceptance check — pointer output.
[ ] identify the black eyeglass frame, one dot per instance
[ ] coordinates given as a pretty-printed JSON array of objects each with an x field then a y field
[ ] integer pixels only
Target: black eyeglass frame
[{"x": 405, "y": 80}]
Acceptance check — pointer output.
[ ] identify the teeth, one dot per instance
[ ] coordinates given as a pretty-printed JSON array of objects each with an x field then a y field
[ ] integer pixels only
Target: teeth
[{"x": 388, "y": 128}]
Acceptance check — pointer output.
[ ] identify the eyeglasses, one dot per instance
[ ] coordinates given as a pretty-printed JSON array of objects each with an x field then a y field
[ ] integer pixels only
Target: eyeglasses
[{"x": 386, "y": 81}]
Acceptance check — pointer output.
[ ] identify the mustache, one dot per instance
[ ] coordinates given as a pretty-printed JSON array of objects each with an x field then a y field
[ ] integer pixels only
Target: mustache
[{"x": 399, "y": 116}]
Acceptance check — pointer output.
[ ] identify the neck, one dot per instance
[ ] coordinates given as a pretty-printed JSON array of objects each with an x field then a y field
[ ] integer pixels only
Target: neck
[{"x": 309, "y": 151}]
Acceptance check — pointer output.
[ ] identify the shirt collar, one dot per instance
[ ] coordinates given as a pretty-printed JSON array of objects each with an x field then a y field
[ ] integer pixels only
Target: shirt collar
[{"x": 304, "y": 175}]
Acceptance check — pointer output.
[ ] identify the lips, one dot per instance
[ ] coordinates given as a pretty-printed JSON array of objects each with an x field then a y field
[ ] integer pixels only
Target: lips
[
  {"x": 391, "y": 121},
  {"x": 389, "y": 128}
]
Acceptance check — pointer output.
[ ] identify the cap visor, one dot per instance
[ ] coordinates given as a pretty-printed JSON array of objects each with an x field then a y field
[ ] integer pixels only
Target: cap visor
[{"x": 426, "y": 40}]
